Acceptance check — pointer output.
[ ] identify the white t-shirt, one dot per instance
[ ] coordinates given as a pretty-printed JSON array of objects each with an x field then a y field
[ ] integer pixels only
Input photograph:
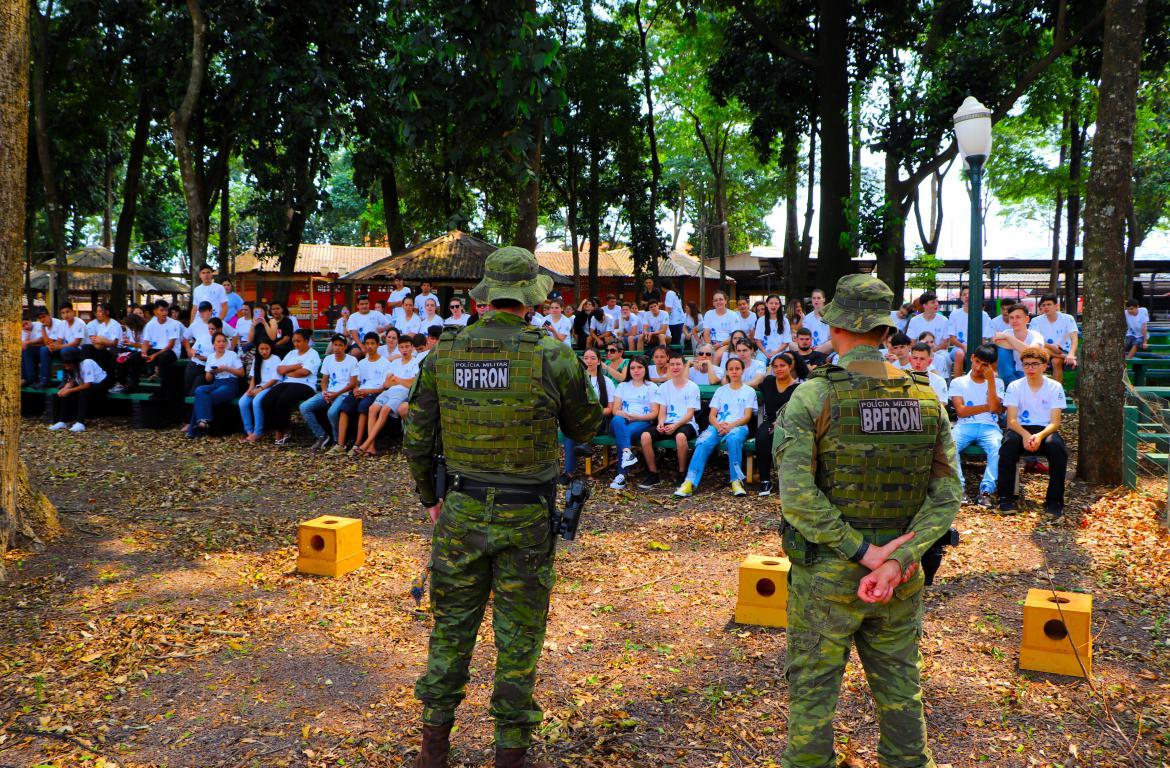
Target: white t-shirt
[
  {"x": 370, "y": 322},
  {"x": 338, "y": 371},
  {"x": 938, "y": 325},
  {"x": 999, "y": 324},
  {"x": 312, "y": 363},
  {"x": 372, "y": 373},
  {"x": 957, "y": 323},
  {"x": 731, "y": 404},
  {"x": 1057, "y": 331},
  {"x": 1135, "y": 322},
  {"x": 974, "y": 393},
  {"x": 939, "y": 385},
  {"x": 411, "y": 325},
  {"x": 429, "y": 320},
  {"x": 110, "y": 330},
  {"x": 268, "y": 370},
  {"x": 676, "y": 400},
  {"x": 701, "y": 378},
  {"x": 1033, "y": 339},
  {"x": 564, "y": 326},
  {"x": 781, "y": 333},
  {"x": 56, "y": 329},
  {"x": 405, "y": 369},
  {"x": 420, "y": 302},
  {"x": 398, "y": 294},
  {"x": 613, "y": 313},
  {"x": 721, "y": 326},
  {"x": 214, "y": 293},
  {"x": 941, "y": 363},
  {"x": 459, "y": 321},
  {"x": 339, "y": 327},
  {"x": 34, "y": 333},
  {"x": 630, "y": 326},
  {"x": 61, "y": 331},
  {"x": 651, "y": 323},
  {"x": 817, "y": 327},
  {"x": 90, "y": 372},
  {"x": 229, "y": 359},
  {"x": 196, "y": 330},
  {"x": 1035, "y": 408},
  {"x": 674, "y": 308},
  {"x": 636, "y": 400},
  {"x": 536, "y": 320},
  {"x": 158, "y": 334},
  {"x": 654, "y": 372},
  {"x": 754, "y": 368},
  {"x": 746, "y": 324}
]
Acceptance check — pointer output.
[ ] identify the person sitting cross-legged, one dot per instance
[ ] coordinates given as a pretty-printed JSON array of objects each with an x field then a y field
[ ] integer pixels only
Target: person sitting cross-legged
[
  {"x": 678, "y": 402},
  {"x": 1034, "y": 406},
  {"x": 732, "y": 410},
  {"x": 222, "y": 372},
  {"x": 392, "y": 401},
  {"x": 299, "y": 369},
  {"x": 85, "y": 383},
  {"x": 978, "y": 400},
  {"x": 264, "y": 378},
  {"x": 338, "y": 379}
]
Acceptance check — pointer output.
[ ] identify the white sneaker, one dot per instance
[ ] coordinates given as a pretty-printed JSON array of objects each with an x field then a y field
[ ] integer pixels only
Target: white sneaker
[
  {"x": 58, "y": 425},
  {"x": 628, "y": 458},
  {"x": 78, "y": 427},
  {"x": 619, "y": 482}
]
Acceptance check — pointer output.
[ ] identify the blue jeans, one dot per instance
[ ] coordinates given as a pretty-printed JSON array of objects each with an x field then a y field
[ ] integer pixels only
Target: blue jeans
[
  {"x": 706, "y": 445},
  {"x": 990, "y": 438},
  {"x": 626, "y": 431},
  {"x": 30, "y": 360},
  {"x": 46, "y": 356},
  {"x": 1006, "y": 369},
  {"x": 207, "y": 396},
  {"x": 251, "y": 414},
  {"x": 314, "y": 405}
]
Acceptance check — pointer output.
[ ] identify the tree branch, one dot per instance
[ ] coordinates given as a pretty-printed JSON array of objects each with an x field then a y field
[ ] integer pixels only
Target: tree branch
[{"x": 768, "y": 32}]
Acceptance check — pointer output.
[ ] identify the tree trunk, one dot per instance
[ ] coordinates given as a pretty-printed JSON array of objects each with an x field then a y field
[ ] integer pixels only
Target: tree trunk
[
  {"x": 793, "y": 283},
  {"x": 800, "y": 268},
  {"x": 392, "y": 210},
  {"x": 302, "y": 202},
  {"x": 180, "y": 120},
  {"x": 108, "y": 209},
  {"x": 25, "y": 515},
  {"x": 891, "y": 259},
  {"x": 833, "y": 113},
  {"x": 1131, "y": 245},
  {"x": 655, "y": 162},
  {"x": 225, "y": 225},
  {"x": 56, "y": 212},
  {"x": 528, "y": 211},
  {"x": 855, "y": 102},
  {"x": 1075, "y": 163},
  {"x": 1054, "y": 273},
  {"x": 130, "y": 202},
  {"x": 1108, "y": 197}
]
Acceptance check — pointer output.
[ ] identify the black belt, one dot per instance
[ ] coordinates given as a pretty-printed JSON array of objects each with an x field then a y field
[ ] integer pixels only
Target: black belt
[{"x": 504, "y": 494}]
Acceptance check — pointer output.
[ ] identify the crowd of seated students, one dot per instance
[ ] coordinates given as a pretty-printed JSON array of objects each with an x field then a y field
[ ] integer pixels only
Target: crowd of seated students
[{"x": 754, "y": 354}]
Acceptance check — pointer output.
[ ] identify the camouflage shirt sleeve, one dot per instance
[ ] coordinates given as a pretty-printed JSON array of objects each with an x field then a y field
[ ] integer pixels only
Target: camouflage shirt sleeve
[
  {"x": 579, "y": 413},
  {"x": 803, "y": 504},
  {"x": 421, "y": 430},
  {"x": 944, "y": 494}
]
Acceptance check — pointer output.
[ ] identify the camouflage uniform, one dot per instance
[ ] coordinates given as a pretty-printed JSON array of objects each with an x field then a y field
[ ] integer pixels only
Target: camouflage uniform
[
  {"x": 864, "y": 454},
  {"x": 496, "y": 391}
]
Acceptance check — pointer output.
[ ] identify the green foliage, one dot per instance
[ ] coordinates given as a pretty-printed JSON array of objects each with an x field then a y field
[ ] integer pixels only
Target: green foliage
[{"x": 923, "y": 270}]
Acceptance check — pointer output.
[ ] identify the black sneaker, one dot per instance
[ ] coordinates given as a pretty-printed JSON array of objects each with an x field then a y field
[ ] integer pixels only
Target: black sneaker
[
  {"x": 319, "y": 444},
  {"x": 765, "y": 488},
  {"x": 1056, "y": 510},
  {"x": 650, "y": 481},
  {"x": 1007, "y": 505}
]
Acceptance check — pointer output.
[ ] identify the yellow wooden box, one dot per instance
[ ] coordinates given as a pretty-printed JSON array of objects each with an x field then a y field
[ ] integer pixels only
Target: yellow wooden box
[
  {"x": 763, "y": 591},
  {"x": 330, "y": 546},
  {"x": 1050, "y": 632}
]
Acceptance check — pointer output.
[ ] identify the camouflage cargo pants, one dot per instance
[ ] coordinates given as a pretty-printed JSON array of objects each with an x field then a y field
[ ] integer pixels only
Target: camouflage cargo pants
[
  {"x": 480, "y": 548},
  {"x": 825, "y": 618}
]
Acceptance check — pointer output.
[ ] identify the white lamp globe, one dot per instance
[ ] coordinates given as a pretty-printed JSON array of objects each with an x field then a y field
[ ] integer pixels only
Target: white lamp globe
[{"x": 973, "y": 128}]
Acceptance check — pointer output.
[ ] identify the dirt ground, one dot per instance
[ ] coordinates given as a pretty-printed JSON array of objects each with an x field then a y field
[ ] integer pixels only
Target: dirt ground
[{"x": 168, "y": 626}]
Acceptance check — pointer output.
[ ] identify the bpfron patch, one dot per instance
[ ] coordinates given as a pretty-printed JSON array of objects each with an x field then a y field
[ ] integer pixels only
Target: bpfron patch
[
  {"x": 890, "y": 416},
  {"x": 481, "y": 375}
]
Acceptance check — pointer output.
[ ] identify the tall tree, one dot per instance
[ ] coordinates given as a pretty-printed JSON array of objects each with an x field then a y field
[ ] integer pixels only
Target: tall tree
[
  {"x": 25, "y": 515},
  {"x": 1108, "y": 198}
]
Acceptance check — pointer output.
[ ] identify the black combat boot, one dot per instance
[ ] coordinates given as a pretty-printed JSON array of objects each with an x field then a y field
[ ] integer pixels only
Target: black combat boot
[
  {"x": 436, "y": 745},
  {"x": 515, "y": 758}
]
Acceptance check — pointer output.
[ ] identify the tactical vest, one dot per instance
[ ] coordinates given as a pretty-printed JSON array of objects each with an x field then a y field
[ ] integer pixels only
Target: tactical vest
[
  {"x": 489, "y": 381},
  {"x": 874, "y": 463}
]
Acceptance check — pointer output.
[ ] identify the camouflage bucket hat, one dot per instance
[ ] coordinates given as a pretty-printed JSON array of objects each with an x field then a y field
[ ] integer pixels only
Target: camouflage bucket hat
[
  {"x": 860, "y": 304},
  {"x": 512, "y": 273}
]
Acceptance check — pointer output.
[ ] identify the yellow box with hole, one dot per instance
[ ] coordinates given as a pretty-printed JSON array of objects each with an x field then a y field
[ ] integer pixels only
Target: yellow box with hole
[
  {"x": 1053, "y": 624},
  {"x": 763, "y": 591},
  {"x": 330, "y": 546}
]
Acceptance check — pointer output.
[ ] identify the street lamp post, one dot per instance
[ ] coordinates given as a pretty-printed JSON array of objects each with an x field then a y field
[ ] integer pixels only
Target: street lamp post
[{"x": 973, "y": 135}]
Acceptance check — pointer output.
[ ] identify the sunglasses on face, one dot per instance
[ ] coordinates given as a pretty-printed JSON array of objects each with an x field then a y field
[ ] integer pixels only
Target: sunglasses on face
[
  {"x": 455, "y": 306},
  {"x": 702, "y": 354},
  {"x": 612, "y": 350}
]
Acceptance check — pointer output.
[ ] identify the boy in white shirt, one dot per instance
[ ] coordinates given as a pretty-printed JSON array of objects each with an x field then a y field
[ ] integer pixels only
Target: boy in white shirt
[
  {"x": 338, "y": 379},
  {"x": 1060, "y": 335},
  {"x": 678, "y": 402},
  {"x": 718, "y": 324},
  {"x": 362, "y": 322},
  {"x": 612, "y": 309},
  {"x": 211, "y": 292},
  {"x": 371, "y": 372},
  {"x": 920, "y": 360},
  {"x": 32, "y": 338},
  {"x": 1034, "y": 407},
  {"x": 400, "y": 376},
  {"x": 425, "y": 294},
  {"x": 56, "y": 335},
  {"x": 161, "y": 342},
  {"x": 978, "y": 400},
  {"x": 196, "y": 346},
  {"x": 957, "y": 323},
  {"x": 102, "y": 336},
  {"x": 394, "y": 303},
  {"x": 654, "y": 328},
  {"x": 931, "y": 320},
  {"x": 1016, "y": 339},
  {"x": 85, "y": 382},
  {"x": 630, "y": 328},
  {"x": 1137, "y": 327},
  {"x": 899, "y": 352},
  {"x": 675, "y": 314}
]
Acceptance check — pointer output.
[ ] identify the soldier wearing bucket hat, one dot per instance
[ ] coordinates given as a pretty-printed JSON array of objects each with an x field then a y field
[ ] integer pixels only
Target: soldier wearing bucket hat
[
  {"x": 868, "y": 482},
  {"x": 496, "y": 392}
]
